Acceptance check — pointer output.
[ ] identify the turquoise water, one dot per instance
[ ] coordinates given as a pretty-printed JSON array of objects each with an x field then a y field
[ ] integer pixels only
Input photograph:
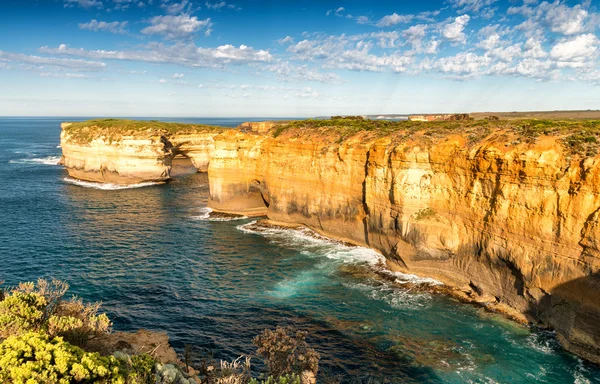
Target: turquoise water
[{"x": 156, "y": 262}]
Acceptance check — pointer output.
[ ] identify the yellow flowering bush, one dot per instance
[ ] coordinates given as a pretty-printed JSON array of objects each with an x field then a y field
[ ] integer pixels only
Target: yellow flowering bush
[
  {"x": 41, "y": 307},
  {"x": 33, "y": 357}
]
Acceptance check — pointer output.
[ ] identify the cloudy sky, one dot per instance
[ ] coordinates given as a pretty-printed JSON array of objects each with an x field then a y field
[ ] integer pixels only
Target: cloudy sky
[{"x": 296, "y": 58}]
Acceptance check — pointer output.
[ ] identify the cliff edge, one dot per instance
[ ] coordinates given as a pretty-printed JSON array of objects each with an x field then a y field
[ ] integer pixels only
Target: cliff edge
[
  {"x": 507, "y": 211},
  {"x": 130, "y": 151}
]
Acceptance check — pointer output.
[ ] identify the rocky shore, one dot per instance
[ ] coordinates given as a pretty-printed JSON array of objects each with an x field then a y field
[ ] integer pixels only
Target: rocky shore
[{"x": 506, "y": 212}]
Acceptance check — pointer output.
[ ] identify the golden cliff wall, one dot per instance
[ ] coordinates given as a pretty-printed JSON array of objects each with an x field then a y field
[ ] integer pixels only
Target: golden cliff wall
[
  {"x": 129, "y": 161},
  {"x": 514, "y": 223},
  {"x": 510, "y": 220},
  {"x": 133, "y": 157}
]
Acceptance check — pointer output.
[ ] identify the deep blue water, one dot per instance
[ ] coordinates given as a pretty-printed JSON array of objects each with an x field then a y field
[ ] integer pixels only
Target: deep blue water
[{"x": 156, "y": 263}]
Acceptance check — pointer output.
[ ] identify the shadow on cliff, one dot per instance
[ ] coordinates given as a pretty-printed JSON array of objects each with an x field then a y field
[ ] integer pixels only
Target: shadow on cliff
[{"x": 572, "y": 309}]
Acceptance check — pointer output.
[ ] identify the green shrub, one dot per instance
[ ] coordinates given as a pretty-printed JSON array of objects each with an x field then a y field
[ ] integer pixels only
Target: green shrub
[
  {"x": 285, "y": 379},
  {"x": 36, "y": 358},
  {"x": 424, "y": 214},
  {"x": 41, "y": 307},
  {"x": 286, "y": 352}
]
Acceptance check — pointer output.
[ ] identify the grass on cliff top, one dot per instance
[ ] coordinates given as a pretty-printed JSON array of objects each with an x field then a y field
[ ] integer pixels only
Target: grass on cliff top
[
  {"x": 579, "y": 136},
  {"x": 114, "y": 129}
]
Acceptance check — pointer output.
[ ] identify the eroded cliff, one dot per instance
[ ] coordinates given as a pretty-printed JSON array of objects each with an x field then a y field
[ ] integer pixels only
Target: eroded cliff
[
  {"x": 129, "y": 152},
  {"x": 505, "y": 211}
]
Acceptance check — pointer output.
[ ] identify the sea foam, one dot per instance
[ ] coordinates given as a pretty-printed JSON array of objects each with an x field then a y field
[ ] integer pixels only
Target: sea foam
[
  {"x": 49, "y": 160},
  {"x": 108, "y": 186},
  {"x": 206, "y": 214},
  {"x": 303, "y": 237}
]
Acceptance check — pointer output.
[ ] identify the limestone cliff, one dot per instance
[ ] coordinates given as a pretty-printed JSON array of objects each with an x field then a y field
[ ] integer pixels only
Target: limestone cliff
[
  {"x": 130, "y": 152},
  {"x": 511, "y": 219},
  {"x": 506, "y": 211}
]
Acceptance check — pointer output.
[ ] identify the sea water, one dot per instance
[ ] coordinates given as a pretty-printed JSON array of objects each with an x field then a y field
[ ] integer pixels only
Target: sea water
[{"x": 157, "y": 260}]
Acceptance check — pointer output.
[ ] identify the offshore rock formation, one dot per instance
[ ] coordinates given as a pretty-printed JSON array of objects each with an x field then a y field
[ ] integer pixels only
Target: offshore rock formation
[
  {"x": 133, "y": 156},
  {"x": 512, "y": 221}
]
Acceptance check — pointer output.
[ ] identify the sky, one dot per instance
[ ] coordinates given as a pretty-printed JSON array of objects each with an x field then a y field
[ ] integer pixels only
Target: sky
[{"x": 277, "y": 58}]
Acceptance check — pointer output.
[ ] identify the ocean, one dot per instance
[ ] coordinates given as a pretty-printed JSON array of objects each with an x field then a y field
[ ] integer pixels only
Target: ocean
[{"x": 157, "y": 260}]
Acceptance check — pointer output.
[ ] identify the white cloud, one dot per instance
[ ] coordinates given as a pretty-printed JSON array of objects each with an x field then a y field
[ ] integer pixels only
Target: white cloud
[
  {"x": 286, "y": 71},
  {"x": 337, "y": 12},
  {"x": 220, "y": 5},
  {"x": 307, "y": 93},
  {"x": 184, "y": 54},
  {"x": 558, "y": 17},
  {"x": 349, "y": 52},
  {"x": 534, "y": 49},
  {"x": 162, "y": 81},
  {"x": 83, "y": 4},
  {"x": 471, "y": 5},
  {"x": 454, "y": 31},
  {"x": 415, "y": 36},
  {"x": 176, "y": 27},
  {"x": 73, "y": 64},
  {"x": 363, "y": 20},
  {"x": 462, "y": 65},
  {"x": 113, "y": 27},
  {"x": 578, "y": 49},
  {"x": 175, "y": 8},
  {"x": 286, "y": 40},
  {"x": 133, "y": 72},
  {"x": 563, "y": 19},
  {"x": 385, "y": 39},
  {"x": 178, "y": 75},
  {"x": 393, "y": 19},
  {"x": 66, "y": 75},
  {"x": 529, "y": 67}
]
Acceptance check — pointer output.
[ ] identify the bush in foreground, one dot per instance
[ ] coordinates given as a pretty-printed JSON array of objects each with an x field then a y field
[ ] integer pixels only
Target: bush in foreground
[
  {"x": 36, "y": 358},
  {"x": 42, "y": 308},
  {"x": 43, "y": 340}
]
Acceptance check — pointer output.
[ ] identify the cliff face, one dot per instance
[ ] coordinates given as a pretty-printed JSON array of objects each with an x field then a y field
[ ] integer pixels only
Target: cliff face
[
  {"x": 132, "y": 157},
  {"x": 510, "y": 220},
  {"x": 512, "y": 223}
]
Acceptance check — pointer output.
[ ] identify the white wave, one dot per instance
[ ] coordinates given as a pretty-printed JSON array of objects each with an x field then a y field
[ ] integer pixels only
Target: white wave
[
  {"x": 414, "y": 279},
  {"x": 303, "y": 237},
  {"x": 108, "y": 186},
  {"x": 50, "y": 160},
  {"x": 393, "y": 296},
  {"x": 580, "y": 373},
  {"x": 205, "y": 215},
  {"x": 543, "y": 341},
  {"x": 333, "y": 249}
]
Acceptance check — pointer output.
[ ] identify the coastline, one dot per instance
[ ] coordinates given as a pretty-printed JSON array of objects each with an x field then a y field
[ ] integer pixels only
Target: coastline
[
  {"x": 485, "y": 207},
  {"x": 461, "y": 294}
]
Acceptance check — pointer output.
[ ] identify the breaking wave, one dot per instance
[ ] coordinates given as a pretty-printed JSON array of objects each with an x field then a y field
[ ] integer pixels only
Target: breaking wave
[
  {"x": 50, "y": 160},
  {"x": 108, "y": 186},
  {"x": 207, "y": 214}
]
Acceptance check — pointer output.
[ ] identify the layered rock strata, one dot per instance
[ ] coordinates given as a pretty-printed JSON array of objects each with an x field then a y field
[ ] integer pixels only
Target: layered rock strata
[
  {"x": 512, "y": 221},
  {"x": 515, "y": 225},
  {"x": 133, "y": 157}
]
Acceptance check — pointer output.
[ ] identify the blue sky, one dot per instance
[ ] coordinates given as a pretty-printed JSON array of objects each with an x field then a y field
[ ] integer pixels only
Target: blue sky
[{"x": 296, "y": 58}]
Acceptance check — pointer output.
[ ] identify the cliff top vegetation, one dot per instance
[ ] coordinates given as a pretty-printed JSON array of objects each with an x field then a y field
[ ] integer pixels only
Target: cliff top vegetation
[
  {"x": 114, "y": 129},
  {"x": 578, "y": 136}
]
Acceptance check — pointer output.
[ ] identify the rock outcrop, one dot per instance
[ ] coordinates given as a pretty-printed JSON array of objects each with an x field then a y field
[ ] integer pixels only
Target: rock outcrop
[
  {"x": 132, "y": 156},
  {"x": 508, "y": 215},
  {"x": 512, "y": 223}
]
